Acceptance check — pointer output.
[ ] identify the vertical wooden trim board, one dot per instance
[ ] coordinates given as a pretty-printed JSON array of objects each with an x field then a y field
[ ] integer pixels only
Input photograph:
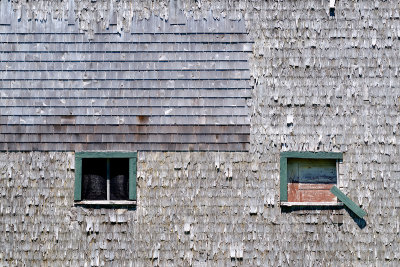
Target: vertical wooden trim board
[
  {"x": 283, "y": 180},
  {"x": 132, "y": 178},
  {"x": 78, "y": 179}
]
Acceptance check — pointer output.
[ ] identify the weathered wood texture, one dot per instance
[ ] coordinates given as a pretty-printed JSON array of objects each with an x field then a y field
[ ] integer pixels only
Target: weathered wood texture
[
  {"x": 159, "y": 79},
  {"x": 228, "y": 200},
  {"x": 320, "y": 84}
]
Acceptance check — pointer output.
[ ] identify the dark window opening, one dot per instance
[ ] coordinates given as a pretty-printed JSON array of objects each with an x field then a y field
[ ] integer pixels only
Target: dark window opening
[
  {"x": 119, "y": 179},
  {"x": 105, "y": 179},
  {"x": 94, "y": 179}
]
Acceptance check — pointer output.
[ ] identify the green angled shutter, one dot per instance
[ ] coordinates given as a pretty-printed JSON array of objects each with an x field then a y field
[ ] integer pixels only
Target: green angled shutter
[
  {"x": 78, "y": 179},
  {"x": 283, "y": 180},
  {"x": 348, "y": 202},
  {"x": 132, "y": 178}
]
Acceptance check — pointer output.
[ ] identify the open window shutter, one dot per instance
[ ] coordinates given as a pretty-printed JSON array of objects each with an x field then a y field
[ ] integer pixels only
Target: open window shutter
[
  {"x": 348, "y": 202},
  {"x": 78, "y": 179},
  {"x": 132, "y": 178}
]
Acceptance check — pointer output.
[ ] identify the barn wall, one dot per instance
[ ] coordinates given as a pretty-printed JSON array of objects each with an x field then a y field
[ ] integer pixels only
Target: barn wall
[
  {"x": 319, "y": 84},
  {"x": 193, "y": 208}
]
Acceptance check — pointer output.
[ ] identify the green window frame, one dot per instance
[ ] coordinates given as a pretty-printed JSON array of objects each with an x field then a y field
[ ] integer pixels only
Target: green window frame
[
  {"x": 132, "y": 156},
  {"x": 284, "y": 156}
]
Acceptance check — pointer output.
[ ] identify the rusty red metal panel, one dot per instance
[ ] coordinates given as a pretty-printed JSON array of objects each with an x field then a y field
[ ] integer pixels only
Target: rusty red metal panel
[{"x": 300, "y": 192}]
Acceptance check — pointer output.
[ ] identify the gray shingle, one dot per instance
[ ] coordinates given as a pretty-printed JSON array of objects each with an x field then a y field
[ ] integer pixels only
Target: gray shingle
[{"x": 160, "y": 79}]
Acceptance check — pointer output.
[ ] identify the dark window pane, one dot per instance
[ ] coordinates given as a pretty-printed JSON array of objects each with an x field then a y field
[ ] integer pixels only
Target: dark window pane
[
  {"x": 312, "y": 171},
  {"x": 94, "y": 179},
  {"x": 119, "y": 182}
]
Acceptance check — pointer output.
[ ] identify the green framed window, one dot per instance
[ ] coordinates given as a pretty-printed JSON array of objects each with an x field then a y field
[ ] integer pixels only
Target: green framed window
[
  {"x": 307, "y": 177},
  {"x": 105, "y": 177},
  {"x": 310, "y": 178}
]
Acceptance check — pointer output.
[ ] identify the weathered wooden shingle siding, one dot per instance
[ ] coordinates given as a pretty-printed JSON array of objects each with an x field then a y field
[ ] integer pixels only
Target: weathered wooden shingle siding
[
  {"x": 160, "y": 86},
  {"x": 320, "y": 84}
]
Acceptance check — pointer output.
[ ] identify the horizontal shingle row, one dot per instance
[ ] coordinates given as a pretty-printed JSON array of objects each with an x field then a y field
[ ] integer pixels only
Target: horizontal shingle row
[
  {"x": 110, "y": 37},
  {"x": 133, "y": 85},
  {"x": 123, "y": 146},
  {"x": 124, "y": 138},
  {"x": 125, "y": 129},
  {"x": 146, "y": 119},
  {"x": 125, "y": 75},
  {"x": 123, "y": 111},
  {"x": 124, "y": 66},
  {"x": 122, "y": 56},
  {"x": 125, "y": 102},
  {"x": 127, "y": 47},
  {"x": 151, "y": 94}
]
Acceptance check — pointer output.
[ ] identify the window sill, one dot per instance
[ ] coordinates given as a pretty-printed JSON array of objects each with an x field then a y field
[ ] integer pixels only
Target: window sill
[
  {"x": 315, "y": 204},
  {"x": 106, "y": 202}
]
